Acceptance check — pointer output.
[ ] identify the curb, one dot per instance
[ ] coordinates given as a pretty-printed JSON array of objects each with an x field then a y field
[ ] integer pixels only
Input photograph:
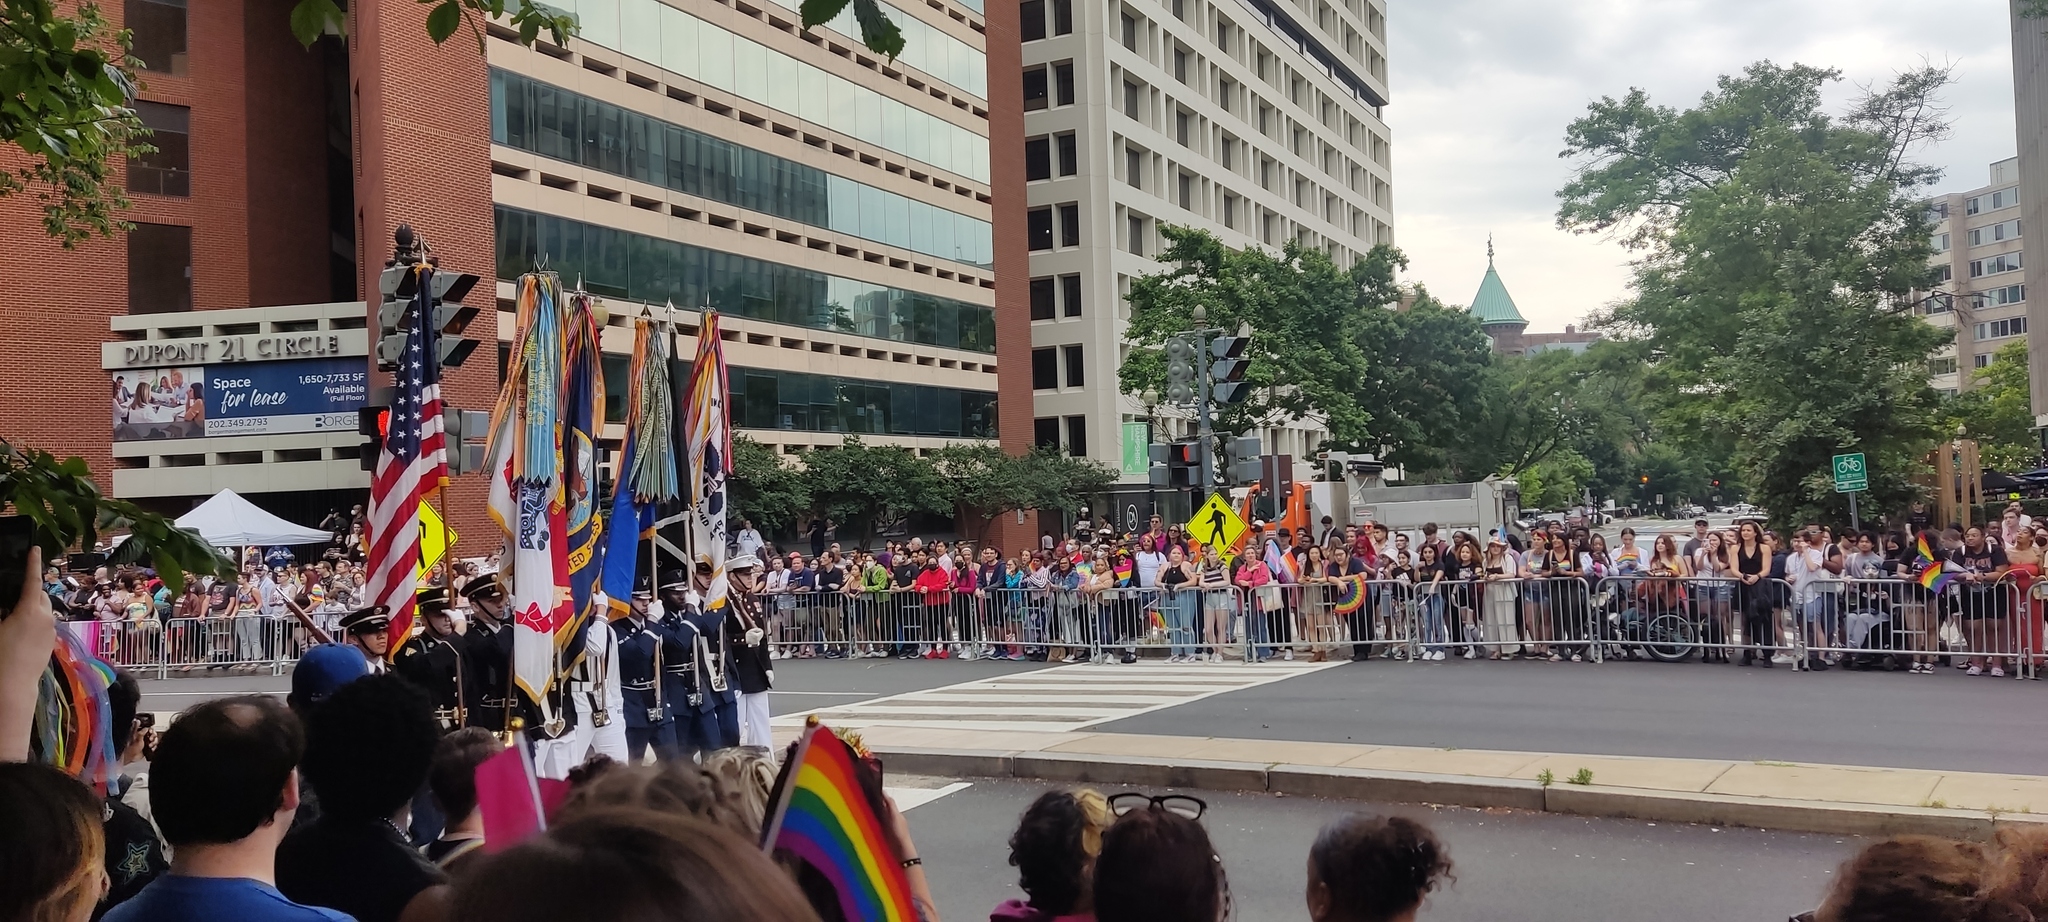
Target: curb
[{"x": 1457, "y": 790}]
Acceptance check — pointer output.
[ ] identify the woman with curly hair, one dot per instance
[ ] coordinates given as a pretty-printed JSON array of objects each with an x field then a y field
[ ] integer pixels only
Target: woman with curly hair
[
  {"x": 1366, "y": 868},
  {"x": 1054, "y": 851}
]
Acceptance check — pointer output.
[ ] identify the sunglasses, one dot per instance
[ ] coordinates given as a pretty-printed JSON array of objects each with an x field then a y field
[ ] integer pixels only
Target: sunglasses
[{"x": 1178, "y": 804}]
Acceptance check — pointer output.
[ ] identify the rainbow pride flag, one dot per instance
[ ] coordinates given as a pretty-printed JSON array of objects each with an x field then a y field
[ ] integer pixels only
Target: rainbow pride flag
[
  {"x": 1936, "y": 577},
  {"x": 1926, "y": 553},
  {"x": 821, "y": 814}
]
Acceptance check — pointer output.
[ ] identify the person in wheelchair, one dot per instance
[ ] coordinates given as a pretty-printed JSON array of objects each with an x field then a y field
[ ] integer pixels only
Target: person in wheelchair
[{"x": 1654, "y": 618}]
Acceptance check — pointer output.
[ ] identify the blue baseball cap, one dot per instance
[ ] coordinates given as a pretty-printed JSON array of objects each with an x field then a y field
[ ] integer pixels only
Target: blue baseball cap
[{"x": 323, "y": 669}]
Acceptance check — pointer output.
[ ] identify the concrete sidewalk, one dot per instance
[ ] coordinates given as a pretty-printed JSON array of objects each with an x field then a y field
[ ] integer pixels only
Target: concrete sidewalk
[{"x": 1775, "y": 795}]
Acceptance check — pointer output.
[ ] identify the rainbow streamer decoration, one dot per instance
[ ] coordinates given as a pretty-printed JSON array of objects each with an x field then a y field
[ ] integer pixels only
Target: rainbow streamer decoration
[
  {"x": 73, "y": 724},
  {"x": 1350, "y": 594},
  {"x": 822, "y": 815}
]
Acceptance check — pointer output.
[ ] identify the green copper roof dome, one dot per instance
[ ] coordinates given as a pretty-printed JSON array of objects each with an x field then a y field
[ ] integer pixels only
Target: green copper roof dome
[{"x": 1493, "y": 305}]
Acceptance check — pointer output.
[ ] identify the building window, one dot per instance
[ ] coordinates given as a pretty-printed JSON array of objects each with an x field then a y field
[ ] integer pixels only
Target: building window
[
  {"x": 1045, "y": 432},
  {"x": 1034, "y": 88},
  {"x": 1069, "y": 156},
  {"x": 1070, "y": 224},
  {"x": 1077, "y": 373},
  {"x": 1187, "y": 191},
  {"x": 1230, "y": 211},
  {"x": 168, "y": 169},
  {"x": 1995, "y": 329},
  {"x": 1130, "y": 100},
  {"x": 1070, "y": 294},
  {"x": 1038, "y": 228},
  {"x": 1045, "y": 369},
  {"x": 1130, "y": 32},
  {"x": 1077, "y": 436},
  {"x": 157, "y": 32},
  {"x": 1992, "y": 233},
  {"x": 2003, "y": 262},
  {"x": 1180, "y": 127},
  {"x": 2010, "y": 294},
  {"x": 1137, "y": 230},
  {"x": 1038, "y": 158},
  {"x": 1062, "y": 17},
  {"x": 1180, "y": 65},
  {"x": 1031, "y": 19},
  {"x": 1940, "y": 243},
  {"x": 1041, "y": 298},
  {"x": 159, "y": 269},
  {"x": 803, "y": 402},
  {"x": 1944, "y": 273},
  {"x": 1227, "y": 149},
  {"x": 1063, "y": 82},
  {"x": 1134, "y": 168},
  {"x": 1982, "y": 360},
  {"x": 1945, "y": 366}
]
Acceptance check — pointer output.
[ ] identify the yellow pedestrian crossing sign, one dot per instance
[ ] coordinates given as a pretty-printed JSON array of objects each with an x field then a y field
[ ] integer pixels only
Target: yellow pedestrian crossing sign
[
  {"x": 1216, "y": 524},
  {"x": 434, "y": 540}
]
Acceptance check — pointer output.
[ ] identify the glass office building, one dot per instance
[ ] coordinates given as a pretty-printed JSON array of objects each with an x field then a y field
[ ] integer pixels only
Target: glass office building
[{"x": 832, "y": 207}]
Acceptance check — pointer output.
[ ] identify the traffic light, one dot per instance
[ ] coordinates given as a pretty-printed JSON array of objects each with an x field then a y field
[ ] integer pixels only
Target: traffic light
[
  {"x": 1226, "y": 373},
  {"x": 399, "y": 285},
  {"x": 373, "y": 423},
  {"x": 1180, "y": 370},
  {"x": 464, "y": 433},
  {"x": 1646, "y": 478},
  {"x": 1241, "y": 460},
  {"x": 1178, "y": 464}
]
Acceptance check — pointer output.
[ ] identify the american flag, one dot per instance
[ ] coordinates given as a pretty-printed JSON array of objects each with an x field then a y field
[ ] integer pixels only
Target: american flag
[{"x": 412, "y": 462}]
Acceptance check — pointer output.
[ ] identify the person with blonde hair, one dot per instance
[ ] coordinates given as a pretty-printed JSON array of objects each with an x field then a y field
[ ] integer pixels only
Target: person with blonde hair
[{"x": 51, "y": 845}]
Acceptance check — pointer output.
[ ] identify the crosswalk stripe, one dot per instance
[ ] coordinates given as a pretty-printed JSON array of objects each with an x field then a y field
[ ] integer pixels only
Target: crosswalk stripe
[{"x": 1061, "y": 698}]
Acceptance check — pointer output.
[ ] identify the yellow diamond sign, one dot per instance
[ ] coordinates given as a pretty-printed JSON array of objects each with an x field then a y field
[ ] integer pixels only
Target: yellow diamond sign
[
  {"x": 435, "y": 538},
  {"x": 1216, "y": 524}
]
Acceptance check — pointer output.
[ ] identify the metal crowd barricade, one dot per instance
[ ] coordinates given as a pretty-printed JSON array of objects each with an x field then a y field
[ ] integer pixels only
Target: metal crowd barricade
[
  {"x": 1559, "y": 619},
  {"x": 1124, "y": 620},
  {"x": 159, "y": 648},
  {"x": 1899, "y": 623}
]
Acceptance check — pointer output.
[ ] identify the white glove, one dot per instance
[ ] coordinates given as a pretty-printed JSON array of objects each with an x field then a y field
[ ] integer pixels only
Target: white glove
[{"x": 754, "y": 636}]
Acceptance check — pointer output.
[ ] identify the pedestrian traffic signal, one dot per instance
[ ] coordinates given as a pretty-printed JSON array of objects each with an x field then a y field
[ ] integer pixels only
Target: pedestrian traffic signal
[
  {"x": 463, "y": 432},
  {"x": 1178, "y": 464},
  {"x": 1226, "y": 373},
  {"x": 1241, "y": 460},
  {"x": 1180, "y": 370},
  {"x": 373, "y": 423}
]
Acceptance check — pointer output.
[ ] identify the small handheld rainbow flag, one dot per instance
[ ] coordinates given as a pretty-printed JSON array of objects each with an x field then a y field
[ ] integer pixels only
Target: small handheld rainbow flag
[
  {"x": 1926, "y": 553},
  {"x": 821, "y": 814},
  {"x": 1936, "y": 577}
]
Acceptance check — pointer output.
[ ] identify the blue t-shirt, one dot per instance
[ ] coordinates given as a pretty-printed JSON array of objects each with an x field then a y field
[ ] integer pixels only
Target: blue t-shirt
[{"x": 172, "y": 898}]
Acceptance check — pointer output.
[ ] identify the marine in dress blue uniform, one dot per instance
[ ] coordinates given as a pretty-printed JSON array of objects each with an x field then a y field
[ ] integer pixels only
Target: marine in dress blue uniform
[
  {"x": 695, "y": 721},
  {"x": 650, "y": 713},
  {"x": 714, "y": 668}
]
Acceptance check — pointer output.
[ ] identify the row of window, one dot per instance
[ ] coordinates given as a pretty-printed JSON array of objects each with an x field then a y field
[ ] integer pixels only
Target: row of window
[
  {"x": 1031, "y": 18},
  {"x": 661, "y": 34},
  {"x": 658, "y": 270},
  {"x": 1045, "y": 433},
  {"x": 1993, "y": 329},
  {"x": 554, "y": 122},
  {"x": 1048, "y": 84},
  {"x": 2003, "y": 262},
  {"x": 1038, "y": 224},
  {"x": 764, "y": 398},
  {"x": 2003, "y": 198},
  {"x": 2010, "y": 294},
  {"x": 1065, "y": 289},
  {"x": 803, "y": 402},
  {"x": 1039, "y": 155},
  {"x": 1992, "y": 233},
  {"x": 1045, "y": 367}
]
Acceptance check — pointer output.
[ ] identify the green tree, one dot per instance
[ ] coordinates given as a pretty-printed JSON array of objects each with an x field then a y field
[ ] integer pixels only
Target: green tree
[
  {"x": 1780, "y": 241},
  {"x": 1997, "y": 413},
  {"x": 1556, "y": 482},
  {"x": 1299, "y": 309},
  {"x": 763, "y": 488},
  {"x": 1425, "y": 370},
  {"x": 871, "y": 489},
  {"x": 65, "y": 82},
  {"x": 986, "y": 483}
]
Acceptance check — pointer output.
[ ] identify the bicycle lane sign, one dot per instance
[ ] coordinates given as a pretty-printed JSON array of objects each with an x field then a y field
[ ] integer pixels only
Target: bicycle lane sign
[{"x": 1851, "y": 473}]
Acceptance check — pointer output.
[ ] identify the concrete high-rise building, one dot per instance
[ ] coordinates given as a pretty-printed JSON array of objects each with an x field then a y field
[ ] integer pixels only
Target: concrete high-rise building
[
  {"x": 1979, "y": 256},
  {"x": 1258, "y": 120},
  {"x": 2030, "y": 97},
  {"x": 844, "y": 212}
]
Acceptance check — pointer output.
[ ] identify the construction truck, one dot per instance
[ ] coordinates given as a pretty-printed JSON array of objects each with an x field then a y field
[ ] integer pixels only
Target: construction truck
[{"x": 1361, "y": 498}]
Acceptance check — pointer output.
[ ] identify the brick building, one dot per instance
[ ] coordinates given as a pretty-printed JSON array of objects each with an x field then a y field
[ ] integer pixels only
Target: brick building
[{"x": 793, "y": 181}]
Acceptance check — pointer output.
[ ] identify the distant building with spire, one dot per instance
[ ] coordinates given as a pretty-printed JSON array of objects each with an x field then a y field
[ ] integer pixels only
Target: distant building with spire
[{"x": 1505, "y": 325}]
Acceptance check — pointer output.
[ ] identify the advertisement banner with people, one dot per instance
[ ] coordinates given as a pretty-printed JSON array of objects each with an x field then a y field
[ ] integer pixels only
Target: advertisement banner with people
[{"x": 258, "y": 398}]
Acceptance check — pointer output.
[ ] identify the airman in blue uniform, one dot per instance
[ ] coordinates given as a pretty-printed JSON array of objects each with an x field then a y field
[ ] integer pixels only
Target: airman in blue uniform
[
  {"x": 681, "y": 673},
  {"x": 644, "y": 644}
]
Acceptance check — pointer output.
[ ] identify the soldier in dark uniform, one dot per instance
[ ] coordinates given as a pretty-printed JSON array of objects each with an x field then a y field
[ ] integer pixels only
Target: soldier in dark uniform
[
  {"x": 369, "y": 631},
  {"x": 487, "y": 651},
  {"x": 714, "y": 667},
  {"x": 696, "y": 728},
  {"x": 650, "y": 711},
  {"x": 746, "y": 638},
  {"x": 433, "y": 659}
]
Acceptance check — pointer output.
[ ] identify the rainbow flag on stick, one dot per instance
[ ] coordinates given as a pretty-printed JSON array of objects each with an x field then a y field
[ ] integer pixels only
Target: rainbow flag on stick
[{"x": 822, "y": 814}]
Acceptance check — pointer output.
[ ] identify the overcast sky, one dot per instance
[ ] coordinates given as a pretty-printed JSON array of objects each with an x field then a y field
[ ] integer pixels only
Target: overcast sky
[{"x": 1482, "y": 91}]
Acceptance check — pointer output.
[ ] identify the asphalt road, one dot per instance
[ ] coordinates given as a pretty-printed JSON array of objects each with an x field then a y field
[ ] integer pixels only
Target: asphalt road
[
  {"x": 1528, "y": 867},
  {"x": 1681, "y": 710}
]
